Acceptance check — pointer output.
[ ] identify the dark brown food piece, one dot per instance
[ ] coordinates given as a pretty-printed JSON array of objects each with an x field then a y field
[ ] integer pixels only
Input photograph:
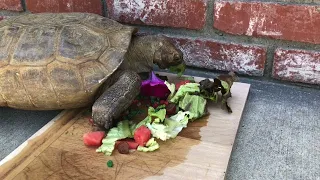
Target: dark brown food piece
[{"x": 123, "y": 148}]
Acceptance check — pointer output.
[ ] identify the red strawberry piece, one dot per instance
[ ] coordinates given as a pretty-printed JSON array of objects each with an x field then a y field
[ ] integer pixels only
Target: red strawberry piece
[
  {"x": 155, "y": 105},
  {"x": 142, "y": 135},
  {"x": 93, "y": 138},
  {"x": 132, "y": 144},
  {"x": 180, "y": 83},
  {"x": 164, "y": 102}
]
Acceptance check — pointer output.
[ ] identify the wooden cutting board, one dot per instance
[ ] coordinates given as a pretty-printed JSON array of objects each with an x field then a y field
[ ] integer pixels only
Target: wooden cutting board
[{"x": 201, "y": 151}]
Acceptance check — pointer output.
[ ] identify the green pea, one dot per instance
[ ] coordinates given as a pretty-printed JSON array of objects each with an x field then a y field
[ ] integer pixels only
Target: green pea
[{"x": 110, "y": 163}]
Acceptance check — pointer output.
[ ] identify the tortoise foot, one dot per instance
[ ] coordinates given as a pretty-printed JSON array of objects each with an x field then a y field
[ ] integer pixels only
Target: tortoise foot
[{"x": 116, "y": 99}]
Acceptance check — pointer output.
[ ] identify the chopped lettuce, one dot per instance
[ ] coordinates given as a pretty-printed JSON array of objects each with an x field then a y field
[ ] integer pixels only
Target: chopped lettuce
[
  {"x": 177, "y": 122},
  {"x": 179, "y": 69},
  {"x": 172, "y": 88},
  {"x": 212, "y": 97},
  {"x": 226, "y": 86},
  {"x": 158, "y": 130},
  {"x": 122, "y": 131},
  {"x": 159, "y": 115},
  {"x": 171, "y": 126},
  {"x": 183, "y": 90},
  {"x": 151, "y": 145},
  {"x": 195, "y": 104},
  {"x": 189, "y": 78}
]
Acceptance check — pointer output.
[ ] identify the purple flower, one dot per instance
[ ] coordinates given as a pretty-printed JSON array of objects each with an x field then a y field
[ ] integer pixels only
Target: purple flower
[{"x": 155, "y": 87}]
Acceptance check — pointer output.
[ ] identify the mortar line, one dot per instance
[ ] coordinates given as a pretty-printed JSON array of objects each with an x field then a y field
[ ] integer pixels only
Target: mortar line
[
  {"x": 104, "y": 8},
  {"x": 24, "y": 5}
]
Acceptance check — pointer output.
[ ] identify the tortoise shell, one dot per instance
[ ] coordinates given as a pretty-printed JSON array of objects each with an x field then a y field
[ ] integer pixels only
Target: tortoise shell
[{"x": 58, "y": 61}]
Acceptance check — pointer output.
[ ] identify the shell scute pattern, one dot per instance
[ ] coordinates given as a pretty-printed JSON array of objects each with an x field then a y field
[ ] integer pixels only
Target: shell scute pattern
[
  {"x": 35, "y": 46},
  {"x": 79, "y": 44},
  {"x": 58, "y": 61}
]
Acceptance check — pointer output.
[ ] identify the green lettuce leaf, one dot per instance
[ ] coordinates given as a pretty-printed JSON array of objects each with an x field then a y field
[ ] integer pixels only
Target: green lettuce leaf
[
  {"x": 160, "y": 115},
  {"x": 177, "y": 122},
  {"x": 179, "y": 69},
  {"x": 195, "y": 104},
  {"x": 158, "y": 130},
  {"x": 212, "y": 97},
  {"x": 122, "y": 131},
  {"x": 171, "y": 126},
  {"x": 183, "y": 90},
  {"x": 172, "y": 89},
  {"x": 226, "y": 86},
  {"x": 151, "y": 145},
  {"x": 189, "y": 78}
]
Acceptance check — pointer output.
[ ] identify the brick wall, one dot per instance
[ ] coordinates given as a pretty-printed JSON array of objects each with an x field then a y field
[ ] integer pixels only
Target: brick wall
[{"x": 273, "y": 40}]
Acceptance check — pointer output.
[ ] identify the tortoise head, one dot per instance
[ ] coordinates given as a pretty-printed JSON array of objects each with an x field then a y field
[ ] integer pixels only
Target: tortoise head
[{"x": 166, "y": 54}]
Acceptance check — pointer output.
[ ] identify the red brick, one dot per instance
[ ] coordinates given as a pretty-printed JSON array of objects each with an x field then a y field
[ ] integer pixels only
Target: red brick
[
  {"x": 55, "y": 6},
  {"x": 12, "y": 5},
  {"x": 297, "y": 66},
  {"x": 177, "y": 13},
  {"x": 215, "y": 55},
  {"x": 287, "y": 22}
]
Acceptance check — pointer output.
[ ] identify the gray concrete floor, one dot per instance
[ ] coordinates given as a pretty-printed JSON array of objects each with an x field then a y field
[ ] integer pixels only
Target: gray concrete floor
[
  {"x": 16, "y": 126},
  {"x": 278, "y": 137}
]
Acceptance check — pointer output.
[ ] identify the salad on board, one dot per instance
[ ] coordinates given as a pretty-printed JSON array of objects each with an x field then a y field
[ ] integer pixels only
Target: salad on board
[{"x": 160, "y": 112}]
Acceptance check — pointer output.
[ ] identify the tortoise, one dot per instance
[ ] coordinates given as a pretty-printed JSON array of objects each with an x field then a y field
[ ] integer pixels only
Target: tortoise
[{"x": 56, "y": 61}]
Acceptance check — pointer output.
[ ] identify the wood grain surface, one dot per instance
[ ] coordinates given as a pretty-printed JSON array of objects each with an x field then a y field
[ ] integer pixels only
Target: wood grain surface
[{"x": 201, "y": 151}]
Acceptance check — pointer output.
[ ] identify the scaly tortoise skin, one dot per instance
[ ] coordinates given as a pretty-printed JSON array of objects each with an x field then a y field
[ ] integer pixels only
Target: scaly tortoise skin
[{"x": 62, "y": 60}]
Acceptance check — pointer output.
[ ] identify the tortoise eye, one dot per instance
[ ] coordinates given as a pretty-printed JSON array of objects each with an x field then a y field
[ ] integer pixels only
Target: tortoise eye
[{"x": 176, "y": 57}]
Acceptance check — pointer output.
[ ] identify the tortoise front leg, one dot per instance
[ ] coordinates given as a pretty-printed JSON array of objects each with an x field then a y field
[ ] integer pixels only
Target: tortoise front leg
[{"x": 116, "y": 99}]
